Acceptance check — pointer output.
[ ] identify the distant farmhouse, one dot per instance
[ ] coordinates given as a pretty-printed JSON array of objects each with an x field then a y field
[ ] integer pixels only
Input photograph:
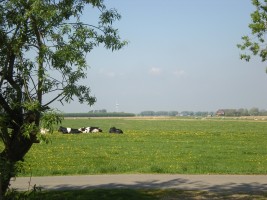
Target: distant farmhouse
[{"x": 220, "y": 112}]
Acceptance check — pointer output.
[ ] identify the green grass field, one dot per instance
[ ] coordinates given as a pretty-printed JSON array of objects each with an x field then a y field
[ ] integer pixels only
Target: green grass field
[{"x": 154, "y": 146}]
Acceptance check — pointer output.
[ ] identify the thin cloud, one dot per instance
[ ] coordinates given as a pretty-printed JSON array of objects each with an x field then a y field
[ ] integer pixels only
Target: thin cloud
[
  {"x": 155, "y": 71},
  {"x": 109, "y": 74},
  {"x": 179, "y": 73}
]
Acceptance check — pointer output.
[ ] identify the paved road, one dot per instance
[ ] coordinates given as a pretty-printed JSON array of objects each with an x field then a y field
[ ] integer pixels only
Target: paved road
[{"x": 247, "y": 183}]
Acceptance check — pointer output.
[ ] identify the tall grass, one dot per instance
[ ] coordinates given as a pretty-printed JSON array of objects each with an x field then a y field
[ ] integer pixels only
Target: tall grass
[{"x": 154, "y": 146}]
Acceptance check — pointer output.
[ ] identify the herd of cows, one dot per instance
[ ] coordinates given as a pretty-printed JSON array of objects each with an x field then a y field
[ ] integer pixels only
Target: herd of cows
[{"x": 67, "y": 130}]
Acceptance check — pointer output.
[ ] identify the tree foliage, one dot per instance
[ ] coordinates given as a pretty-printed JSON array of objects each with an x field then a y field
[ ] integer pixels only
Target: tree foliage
[
  {"x": 256, "y": 44},
  {"x": 43, "y": 48}
]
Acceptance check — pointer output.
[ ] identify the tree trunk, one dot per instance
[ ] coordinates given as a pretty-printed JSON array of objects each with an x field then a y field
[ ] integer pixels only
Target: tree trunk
[
  {"x": 9, "y": 157},
  {"x": 7, "y": 169},
  {"x": 1, "y": 193}
]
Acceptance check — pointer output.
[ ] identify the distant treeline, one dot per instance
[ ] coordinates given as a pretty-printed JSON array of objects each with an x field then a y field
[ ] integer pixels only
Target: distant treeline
[
  {"x": 159, "y": 113},
  {"x": 244, "y": 112},
  {"x": 174, "y": 113},
  {"x": 221, "y": 112},
  {"x": 99, "y": 114}
]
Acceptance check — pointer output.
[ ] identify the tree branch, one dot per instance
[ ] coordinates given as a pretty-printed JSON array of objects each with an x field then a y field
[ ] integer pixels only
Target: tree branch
[
  {"x": 40, "y": 59},
  {"x": 84, "y": 24},
  {"x": 54, "y": 99},
  {"x": 5, "y": 105}
]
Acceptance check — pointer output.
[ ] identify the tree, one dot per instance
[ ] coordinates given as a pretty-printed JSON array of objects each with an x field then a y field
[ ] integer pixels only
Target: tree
[
  {"x": 43, "y": 48},
  {"x": 161, "y": 113},
  {"x": 173, "y": 113},
  {"x": 254, "y": 111},
  {"x": 243, "y": 112},
  {"x": 147, "y": 113},
  {"x": 256, "y": 45}
]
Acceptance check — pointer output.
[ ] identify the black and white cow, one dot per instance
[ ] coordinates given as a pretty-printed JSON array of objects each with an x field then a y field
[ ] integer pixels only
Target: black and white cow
[
  {"x": 115, "y": 130},
  {"x": 67, "y": 130},
  {"x": 90, "y": 129}
]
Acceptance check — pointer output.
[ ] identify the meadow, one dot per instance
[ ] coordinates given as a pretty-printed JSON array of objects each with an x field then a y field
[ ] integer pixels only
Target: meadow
[{"x": 173, "y": 145}]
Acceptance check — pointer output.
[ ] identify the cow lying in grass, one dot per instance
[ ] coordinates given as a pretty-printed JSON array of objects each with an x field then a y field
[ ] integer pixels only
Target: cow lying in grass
[
  {"x": 115, "y": 130},
  {"x": 90, "y": 129},
  {"x": 67, "y": 130}
]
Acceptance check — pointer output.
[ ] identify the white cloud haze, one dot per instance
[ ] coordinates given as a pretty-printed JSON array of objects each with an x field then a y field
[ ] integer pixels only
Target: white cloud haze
[{"x": 155, "y": 71}]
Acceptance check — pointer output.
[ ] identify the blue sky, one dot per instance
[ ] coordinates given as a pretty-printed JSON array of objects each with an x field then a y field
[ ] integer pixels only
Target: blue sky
[{"x": 182, "y": 55}]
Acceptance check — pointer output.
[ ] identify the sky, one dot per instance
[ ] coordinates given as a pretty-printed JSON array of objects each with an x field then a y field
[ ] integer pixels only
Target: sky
[{"x": 181, "y": 56}]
